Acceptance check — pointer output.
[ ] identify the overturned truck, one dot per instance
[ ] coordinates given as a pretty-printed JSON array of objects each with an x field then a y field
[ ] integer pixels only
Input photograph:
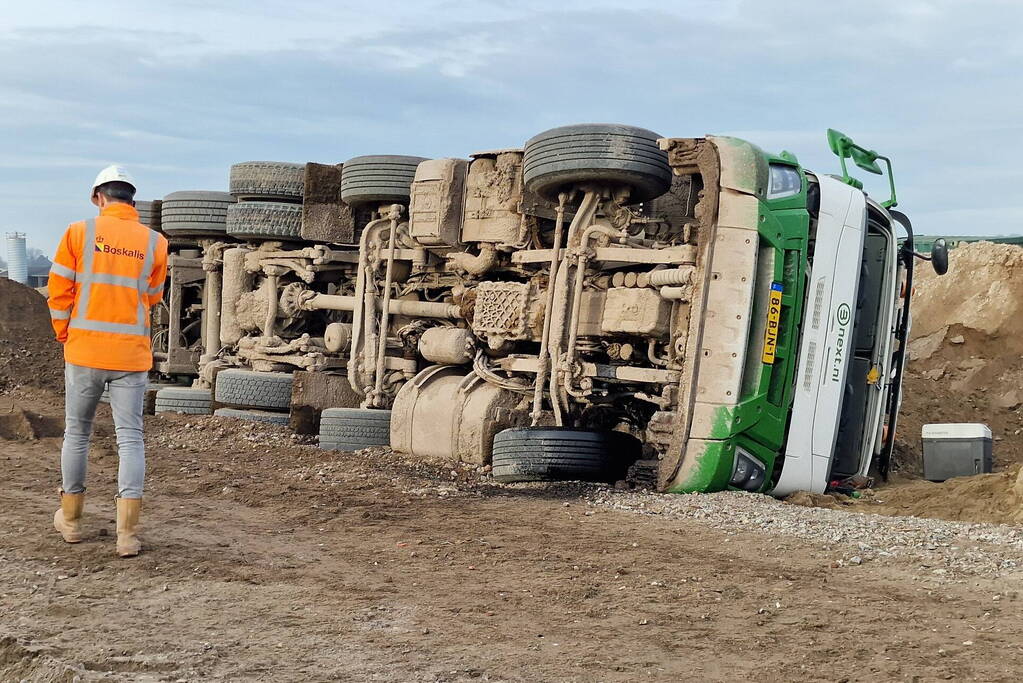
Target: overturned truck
[{"x": 603, "y": 298}]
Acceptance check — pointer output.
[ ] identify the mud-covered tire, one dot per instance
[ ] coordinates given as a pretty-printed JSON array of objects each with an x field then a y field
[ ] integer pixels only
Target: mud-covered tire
[
  {"x": 378, "y": 179},
  {"x": 562, "y": 454},
  {"x": 268, "y": 180},
  {"x": 183, "y": 400},
  {"x": 250, "y": 389},
  {"x": 253, "y": 415},
  {"x": 265, "y": 221},
  {"x": 149, "y": 213},
  {"x": 154, "y": 388},
  {"x": 596, "y": 152},
  {"x": 195, "y": 213},
  {"x": 352, "y": 429}
]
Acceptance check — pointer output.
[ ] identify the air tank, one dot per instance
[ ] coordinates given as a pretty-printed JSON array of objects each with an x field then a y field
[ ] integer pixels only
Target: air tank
[{"x": 17, "y": 257}]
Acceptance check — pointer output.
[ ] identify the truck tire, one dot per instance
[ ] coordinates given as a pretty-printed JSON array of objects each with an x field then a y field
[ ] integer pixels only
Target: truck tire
[
  {"x": 352, "y": 429},
  {"x": 268, "y": 180},
  {"x": 265, "y": 221},
  {"x": 195, "y": 213},
  {"x": 183, "y": 400},
  {"x": 152, "y": 389},
  {"x": 253, "y": 415},
  {"x": 149, "y": 213},
  {"x": 596, "y": 152},
  {"x": 561, "y": 454},
  {"x": 249, "y": 389},
  {"x": 378, "y": 179}
]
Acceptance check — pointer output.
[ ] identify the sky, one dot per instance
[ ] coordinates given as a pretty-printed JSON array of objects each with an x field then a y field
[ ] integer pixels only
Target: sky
[{"x": 178, "y": 91}]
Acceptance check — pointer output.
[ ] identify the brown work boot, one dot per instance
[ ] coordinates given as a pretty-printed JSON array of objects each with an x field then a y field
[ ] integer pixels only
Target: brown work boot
[
  {"x": 68, "y": 519},
  {"x": 128, "y": 543}
]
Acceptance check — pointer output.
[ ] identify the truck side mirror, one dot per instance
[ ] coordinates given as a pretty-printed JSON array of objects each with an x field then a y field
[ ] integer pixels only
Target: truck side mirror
[{"x": 939, "y": 256}]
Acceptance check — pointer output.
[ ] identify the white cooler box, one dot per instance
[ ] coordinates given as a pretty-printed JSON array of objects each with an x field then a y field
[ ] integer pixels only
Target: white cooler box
[{"x": 956, "y": 450}]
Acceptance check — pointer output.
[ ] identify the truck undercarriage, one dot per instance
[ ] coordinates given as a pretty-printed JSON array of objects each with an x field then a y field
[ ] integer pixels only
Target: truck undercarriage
[{"x": 600, "y": 297}]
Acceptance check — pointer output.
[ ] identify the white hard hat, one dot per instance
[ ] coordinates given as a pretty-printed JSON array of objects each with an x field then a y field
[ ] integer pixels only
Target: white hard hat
[{"x": 111, "y": 174}]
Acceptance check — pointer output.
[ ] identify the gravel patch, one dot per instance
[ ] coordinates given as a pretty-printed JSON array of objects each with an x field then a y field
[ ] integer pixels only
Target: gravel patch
[
  {"x": 203, "y": 433},
  {"x": 945, "y": 549}
]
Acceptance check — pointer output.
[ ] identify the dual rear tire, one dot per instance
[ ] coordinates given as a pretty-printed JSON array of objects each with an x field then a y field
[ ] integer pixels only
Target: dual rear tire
[{"x": 269, "y": 207}]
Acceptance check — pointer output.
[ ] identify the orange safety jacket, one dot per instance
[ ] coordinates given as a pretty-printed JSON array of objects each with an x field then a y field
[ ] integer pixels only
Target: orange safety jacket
[{"x": 108, "y": 272}]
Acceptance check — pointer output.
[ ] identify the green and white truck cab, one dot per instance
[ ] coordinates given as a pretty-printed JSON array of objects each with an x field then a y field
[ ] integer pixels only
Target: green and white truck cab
[{"x": 800, "y": 387}]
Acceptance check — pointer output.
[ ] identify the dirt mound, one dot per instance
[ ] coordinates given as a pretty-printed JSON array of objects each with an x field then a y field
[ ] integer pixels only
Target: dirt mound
[
  {"x": 28, "y": 352},
  {"x": 966, "y": 351},
  {"x": 995, "y": 498},
  {"x": 981, "y": 290},
  {"x": 23, "y": 425}
]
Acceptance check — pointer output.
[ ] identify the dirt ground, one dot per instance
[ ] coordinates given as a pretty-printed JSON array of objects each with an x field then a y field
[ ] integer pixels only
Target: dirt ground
[
  {"x": 271, "y": 560},
  {"x": 268, "y": 559}
]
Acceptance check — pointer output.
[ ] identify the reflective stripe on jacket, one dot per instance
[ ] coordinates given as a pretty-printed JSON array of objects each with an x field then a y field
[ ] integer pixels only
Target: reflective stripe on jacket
[{"x": 107, "y": 273}]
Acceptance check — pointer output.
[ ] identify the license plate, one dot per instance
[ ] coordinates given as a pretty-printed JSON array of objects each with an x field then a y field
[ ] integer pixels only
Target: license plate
[{"x": 773, "y": 321}]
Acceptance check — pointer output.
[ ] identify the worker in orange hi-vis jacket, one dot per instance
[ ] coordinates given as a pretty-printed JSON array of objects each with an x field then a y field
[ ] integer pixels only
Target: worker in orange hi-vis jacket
[{"x": 107, "y": 273}]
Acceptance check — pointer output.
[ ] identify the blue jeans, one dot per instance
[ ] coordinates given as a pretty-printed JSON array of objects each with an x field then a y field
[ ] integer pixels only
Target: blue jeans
[{"x": 82, "y": 389}]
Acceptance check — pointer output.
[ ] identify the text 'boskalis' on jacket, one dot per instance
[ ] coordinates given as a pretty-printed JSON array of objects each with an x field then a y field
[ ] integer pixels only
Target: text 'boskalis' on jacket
[{"x": 108, "y": 272}]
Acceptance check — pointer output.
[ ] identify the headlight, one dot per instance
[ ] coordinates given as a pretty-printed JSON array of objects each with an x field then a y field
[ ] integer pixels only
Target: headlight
[
  {"x": 784, "y": 181},
  {"x": 747, "y": 472}
]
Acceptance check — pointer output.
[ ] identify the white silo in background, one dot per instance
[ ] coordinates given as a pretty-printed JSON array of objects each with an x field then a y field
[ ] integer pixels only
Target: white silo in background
[{"x": 17, "y": 257}]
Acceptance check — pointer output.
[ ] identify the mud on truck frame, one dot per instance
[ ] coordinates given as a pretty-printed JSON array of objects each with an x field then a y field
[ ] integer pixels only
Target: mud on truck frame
[{"x": 602, "y": 298}]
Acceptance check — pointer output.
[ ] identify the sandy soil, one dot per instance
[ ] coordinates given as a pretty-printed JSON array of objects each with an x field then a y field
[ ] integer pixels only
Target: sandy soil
[
  {"x": 267, "y": 560},
  {"x": 966, "y": 355}
]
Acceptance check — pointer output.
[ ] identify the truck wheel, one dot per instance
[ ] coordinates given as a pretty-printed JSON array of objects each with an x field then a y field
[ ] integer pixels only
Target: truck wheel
[
  {"x": 268, "y": 180},
  {"x": 596, "y": 152},
  {"x": 265, "y": 221},
  {"x": 183, "y": 400},
  {"x": 378, "y": 179},
  {"x": 248, "y": 389},
  {"x": 253, "y": 415},
  {"x": 149, "y": 213},
  {"x": 352, "y": 429},
  {"x": 152, "y": 389},
  {"x": 195, "y": 214},
  {"x": 561, "y": 454}
]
